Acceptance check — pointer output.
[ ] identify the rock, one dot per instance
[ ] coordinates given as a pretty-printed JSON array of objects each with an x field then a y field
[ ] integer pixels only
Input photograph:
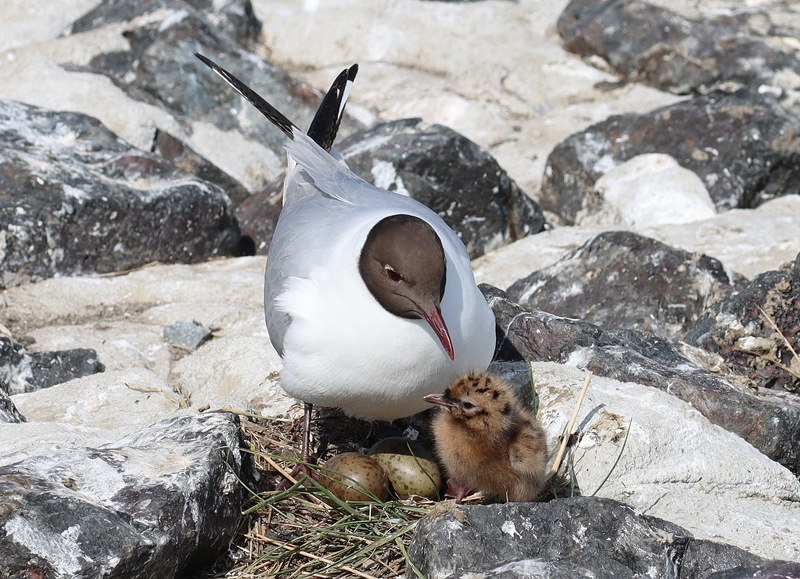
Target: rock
[
  {"x": 125, "y": 317},
  {"x": 577, "y": 537},
  {"x": 8, "y": 412},
  {"x": 242, "y": 373},
  {"x": 736, "y": 330},
  {"x": 125, "y": 400},
  {"x": 643, "y": 447},
  {"x": 258, "y": 216},
  {"x": 648, "y": 43},
  {"x": 738, "y": 238},
  {"x": 77, "y": 199},
  {"x": 160, "y": 67},
  {"x": 234, "y": 17},
  {"x": 161, "y": 502},
  {"x": 184, "y": 157},
  {"x": 186, "y": 334},
  {"x": 770, "y": 423},
  {"x": 88, "y": 412},
  {"x": 651, "y": 189},
  {"x": 623, "y": 280},
  {"x": 772, "y": 570},
  {"x": 437, "y": 167},
  {"x": 22, "y": 371},
  {"x": 742, "y": 145}
]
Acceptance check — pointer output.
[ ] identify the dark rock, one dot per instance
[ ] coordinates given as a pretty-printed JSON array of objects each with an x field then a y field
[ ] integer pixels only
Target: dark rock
[
  {"x": 620, "y": 279},
  {"x": 656, "y": 46},
  {"x": 9, "y": 412},
  {"x": 184, "y": 157},
  {"x": 158, "y": 503},
  {"x": 186, "y": 334},
  {"x": 769, "y": 423},
  {"x": 744, "y": 147},
  {"x": 450, "y": 174},
  {"x": 78, "y": 199},
  {"x": 161, "y": 69},
  {"x": 234, "y": 17},
  {"x": 51, "y": 368},
  {"x": 573, "y": 537},
  {"x": 21, "y": 371},
  {"x": 436, "y": 166},
  {"x": 738, "y": 331},
  {"x": 770, "y": 570},
  {"x": 258, "y": 215}
]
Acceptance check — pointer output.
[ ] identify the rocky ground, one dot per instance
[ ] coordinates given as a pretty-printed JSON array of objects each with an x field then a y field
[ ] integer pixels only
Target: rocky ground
[{"x": 625, "y": 176}]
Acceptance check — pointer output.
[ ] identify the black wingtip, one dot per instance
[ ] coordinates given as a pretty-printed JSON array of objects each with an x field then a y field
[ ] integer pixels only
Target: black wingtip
[
  {"x": 266, "y": 109},
  {"x": 325, "y": 125}
]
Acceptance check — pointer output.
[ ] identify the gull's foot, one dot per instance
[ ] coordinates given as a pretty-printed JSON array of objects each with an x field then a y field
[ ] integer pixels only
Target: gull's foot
[{"x": 296, "y": 473}]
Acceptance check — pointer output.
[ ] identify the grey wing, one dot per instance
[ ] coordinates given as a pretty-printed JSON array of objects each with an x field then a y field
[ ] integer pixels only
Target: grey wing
[
  {"x": 277, "y": 322},
  {"x": 301, "y": 241}
]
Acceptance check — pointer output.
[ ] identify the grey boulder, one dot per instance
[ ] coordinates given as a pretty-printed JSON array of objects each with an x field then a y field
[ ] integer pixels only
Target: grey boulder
[
  {"x": 573, "y": 537},
  {"x": 158, "y": 503},
  {"x": 78, "y": 199},
  {"x": 742, "y": 145},
  {"x": 621, "y": 279}
]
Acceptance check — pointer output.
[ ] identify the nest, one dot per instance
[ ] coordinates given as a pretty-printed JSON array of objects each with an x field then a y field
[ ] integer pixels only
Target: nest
[{"x": 305, "y": 531}]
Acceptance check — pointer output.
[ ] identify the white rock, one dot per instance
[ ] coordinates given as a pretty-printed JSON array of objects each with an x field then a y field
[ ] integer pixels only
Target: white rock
[
  {"x": 676, "y": 465},
  {"x": 88, "y": 411},
  {"x": 126, "y": 400},
  {"x": 26, "y": 23},
  {"x": 502, "y": 267},
  {"x": 119, "y": 345},
  {"x": 748, "y": 241},
  {"x": 224, "y": 294},
  {"x": 19, "y": 441},
  {"x": 649, "y": 190},
  {"x": 241, "y": 373}
]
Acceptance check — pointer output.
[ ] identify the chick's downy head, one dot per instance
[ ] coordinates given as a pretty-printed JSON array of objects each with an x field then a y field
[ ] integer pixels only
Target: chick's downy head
[{"x": 479, "y": 401}]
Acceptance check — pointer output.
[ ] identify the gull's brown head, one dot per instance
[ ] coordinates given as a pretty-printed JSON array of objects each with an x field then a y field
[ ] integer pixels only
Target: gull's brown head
[{"x": 404, "y": 267}]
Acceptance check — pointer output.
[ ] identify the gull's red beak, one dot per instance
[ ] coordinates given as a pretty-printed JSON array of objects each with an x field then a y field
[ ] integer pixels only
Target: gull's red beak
[{"x": 436, "y": 322}]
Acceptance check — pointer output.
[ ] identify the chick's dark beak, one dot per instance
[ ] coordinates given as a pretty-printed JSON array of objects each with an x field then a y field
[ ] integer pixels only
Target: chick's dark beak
[
  {"x": 436, "y": 321},
  {"x": 439, "y": 400}
]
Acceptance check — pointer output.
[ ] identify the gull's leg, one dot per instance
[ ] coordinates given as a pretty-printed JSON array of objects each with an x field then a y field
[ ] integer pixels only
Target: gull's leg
[{"x": 305, "y": 451}]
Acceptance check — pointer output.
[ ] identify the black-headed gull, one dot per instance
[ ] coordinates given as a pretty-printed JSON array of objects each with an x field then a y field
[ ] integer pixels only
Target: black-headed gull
[{"x": 369, "y": 296}]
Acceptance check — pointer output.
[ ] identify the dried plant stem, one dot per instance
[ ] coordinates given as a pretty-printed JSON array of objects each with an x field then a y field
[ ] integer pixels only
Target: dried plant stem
[
  {"x": 288, "y": 476},
  {"x": 772, "y": 323},
  {"x": 563, "y": 449},
  {"x": 290, "y": 547},
  {"x": 773, "y": 360}
]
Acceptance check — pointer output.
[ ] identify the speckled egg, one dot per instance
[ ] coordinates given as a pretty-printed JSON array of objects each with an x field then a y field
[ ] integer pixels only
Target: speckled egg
[
  {"x": 411, "y": 469},
  {"x": 364, "y": 470}
]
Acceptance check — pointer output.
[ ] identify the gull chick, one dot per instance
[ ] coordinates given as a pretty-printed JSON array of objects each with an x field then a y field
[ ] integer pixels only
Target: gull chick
[
  {"x": 369, "y": 296},
  {"x": 488, "y": 441}
]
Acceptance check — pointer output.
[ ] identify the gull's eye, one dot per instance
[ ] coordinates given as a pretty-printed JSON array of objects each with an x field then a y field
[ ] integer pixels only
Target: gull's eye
[
  {"x": 468, "y": 405},
  {"x": 392, "y": 273}
]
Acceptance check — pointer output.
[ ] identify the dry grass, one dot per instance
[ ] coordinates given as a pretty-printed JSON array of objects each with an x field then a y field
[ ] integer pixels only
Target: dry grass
[{"x": 305, "y": 531}]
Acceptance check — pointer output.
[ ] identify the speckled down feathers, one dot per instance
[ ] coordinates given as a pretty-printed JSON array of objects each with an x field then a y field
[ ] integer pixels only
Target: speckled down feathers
[{"x": 487, "y": 440}]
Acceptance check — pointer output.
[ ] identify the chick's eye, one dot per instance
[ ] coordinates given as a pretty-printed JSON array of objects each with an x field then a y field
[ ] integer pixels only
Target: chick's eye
[
  {"x": 393, "y": 274},
  {"x": 468, "y": 405}
]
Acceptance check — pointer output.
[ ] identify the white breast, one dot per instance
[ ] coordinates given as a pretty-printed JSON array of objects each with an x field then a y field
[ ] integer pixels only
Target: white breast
[{"x": 344, "y": 349}]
